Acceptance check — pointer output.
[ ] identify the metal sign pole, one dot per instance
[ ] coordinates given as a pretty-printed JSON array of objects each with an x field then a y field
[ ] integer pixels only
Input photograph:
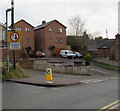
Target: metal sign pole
[
  {"x": 7, "y": 52},
  {"x": 12, "y": 28}
]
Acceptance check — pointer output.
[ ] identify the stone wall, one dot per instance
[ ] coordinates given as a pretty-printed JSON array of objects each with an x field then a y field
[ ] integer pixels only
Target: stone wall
[
  {"x": 59, "y": 67},
  {"x": 107, "y": 61}
]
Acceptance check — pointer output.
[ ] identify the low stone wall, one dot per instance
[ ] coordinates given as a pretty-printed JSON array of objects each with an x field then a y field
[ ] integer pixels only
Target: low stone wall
[
  {"x": 27, "y": 64},
  {"x": 107, "y": 61},
  {"x": 59, "y": 67}
]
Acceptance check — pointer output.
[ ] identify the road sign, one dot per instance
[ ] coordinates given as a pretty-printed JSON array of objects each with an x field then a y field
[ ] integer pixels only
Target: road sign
[
  {"x": 14, "y": 36},
  {"x": 15, "y": 46}
]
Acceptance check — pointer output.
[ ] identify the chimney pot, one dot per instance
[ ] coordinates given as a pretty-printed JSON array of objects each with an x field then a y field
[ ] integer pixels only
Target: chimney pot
[{"x": 43, "y": 22}]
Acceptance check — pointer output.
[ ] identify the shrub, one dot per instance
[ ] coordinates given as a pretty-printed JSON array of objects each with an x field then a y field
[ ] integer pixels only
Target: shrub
[{"x": 87, "y": 59}]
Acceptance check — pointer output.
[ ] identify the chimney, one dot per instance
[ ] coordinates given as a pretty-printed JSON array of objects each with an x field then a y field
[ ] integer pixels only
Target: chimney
[
  {"x": 117, "y": 36},
  {"x": 117, "y": 39},
  {"x": 43, "y": 22}
]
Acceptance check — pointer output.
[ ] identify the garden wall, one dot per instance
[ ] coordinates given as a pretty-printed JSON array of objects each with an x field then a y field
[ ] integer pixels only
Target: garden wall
[
  {"x": 107, "y": 61},
  {"x": 59, "y": 67}
]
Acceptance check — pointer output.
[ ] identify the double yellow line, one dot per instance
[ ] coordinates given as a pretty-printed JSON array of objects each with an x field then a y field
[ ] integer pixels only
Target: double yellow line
[{"x": 111, "y": 106}]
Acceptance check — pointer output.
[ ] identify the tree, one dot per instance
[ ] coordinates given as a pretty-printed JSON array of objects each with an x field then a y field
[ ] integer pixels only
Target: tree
[{"x": 77, "y": 26}]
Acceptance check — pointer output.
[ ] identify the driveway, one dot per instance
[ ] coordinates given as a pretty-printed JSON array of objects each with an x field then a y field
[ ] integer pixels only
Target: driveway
[{"x": 95, "y": 70}]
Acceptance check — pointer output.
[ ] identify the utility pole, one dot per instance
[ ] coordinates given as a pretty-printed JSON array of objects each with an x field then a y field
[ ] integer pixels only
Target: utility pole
[
  {"x": 107, "y": 33},
  {"x": 7, "y": 52},
  {"x": 12, "y": 28}
]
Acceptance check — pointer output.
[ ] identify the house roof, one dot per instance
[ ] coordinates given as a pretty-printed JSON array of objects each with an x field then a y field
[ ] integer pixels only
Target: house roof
[
  {"x": 107, "y": 44},
  {"x": 3, "y": 25},
  {"x": 23, "y": 21},
  {"x": 46, "y": 24},
  {"x": 93, "y": 45}
]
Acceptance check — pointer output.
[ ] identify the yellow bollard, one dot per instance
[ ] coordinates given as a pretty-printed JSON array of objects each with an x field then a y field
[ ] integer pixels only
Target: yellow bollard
[{"x": 49, "y": 75}]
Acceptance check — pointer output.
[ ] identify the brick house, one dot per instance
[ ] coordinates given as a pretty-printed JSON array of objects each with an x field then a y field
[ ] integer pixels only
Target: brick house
[
  {"x": 102, "y": 48},
  {"x": 27, "y": 33},
  {"x": 50, "y": 34},
  {"x": 107, "y": 49}
]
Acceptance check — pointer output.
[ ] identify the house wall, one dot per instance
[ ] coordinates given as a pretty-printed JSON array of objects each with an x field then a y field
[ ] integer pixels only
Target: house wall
[
  {"x": 51, "y": 37},
  {"x": 40, "y": 40},
  {"x": 3, "y": 54},
  {"x": 103, "y": 53},
  {"x": 2, "y": 33},
  {"x": 112, "y": 52},
  {"x": 27, "y": 37}
]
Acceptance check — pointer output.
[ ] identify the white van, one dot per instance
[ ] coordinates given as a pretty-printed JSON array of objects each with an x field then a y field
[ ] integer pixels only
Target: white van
[{"x": 67, "y": 53}]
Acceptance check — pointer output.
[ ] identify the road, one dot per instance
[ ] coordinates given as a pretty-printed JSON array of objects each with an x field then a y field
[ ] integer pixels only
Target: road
[{"x": 89, "y": 96}]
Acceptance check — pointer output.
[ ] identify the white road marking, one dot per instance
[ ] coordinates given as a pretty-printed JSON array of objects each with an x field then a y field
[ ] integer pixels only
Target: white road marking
[
  {"x": 26, "y": 94},
  {"x": 97, "y": 80}
]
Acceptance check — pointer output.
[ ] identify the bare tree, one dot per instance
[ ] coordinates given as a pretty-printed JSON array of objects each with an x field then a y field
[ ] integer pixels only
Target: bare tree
[{"x": 77, "y": 26}]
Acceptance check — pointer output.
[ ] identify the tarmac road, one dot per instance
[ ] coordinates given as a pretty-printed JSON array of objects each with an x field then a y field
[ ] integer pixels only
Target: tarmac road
[{"x": 88, "y": 96}]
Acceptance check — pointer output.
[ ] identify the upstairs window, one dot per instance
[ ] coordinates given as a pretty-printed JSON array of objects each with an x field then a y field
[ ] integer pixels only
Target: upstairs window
[
  {"x": 50, "y": 29},
  {"x": 27, "y": 29},
  {"x": 59, "y": 40},
  {"x": 60, "y": 30},
  {"x": 18, "y": 29},
  {"x": 27, "y": 40}
]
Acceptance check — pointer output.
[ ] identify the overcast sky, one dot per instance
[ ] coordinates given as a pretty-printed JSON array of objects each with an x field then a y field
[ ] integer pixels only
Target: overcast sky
[{"x": 98, "y": 15}]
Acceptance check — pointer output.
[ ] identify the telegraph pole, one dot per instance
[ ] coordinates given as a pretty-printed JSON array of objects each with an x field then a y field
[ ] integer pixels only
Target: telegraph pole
[
  {"x": 12, "y": 28},
  {"x": 7, "y": 52}
]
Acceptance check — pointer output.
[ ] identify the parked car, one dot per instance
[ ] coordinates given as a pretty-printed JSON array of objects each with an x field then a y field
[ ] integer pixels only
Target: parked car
[
  {"x": 67, "y": 53},
  {"x": 36, "y": 54},
  {"x": 78, "y": 55}
]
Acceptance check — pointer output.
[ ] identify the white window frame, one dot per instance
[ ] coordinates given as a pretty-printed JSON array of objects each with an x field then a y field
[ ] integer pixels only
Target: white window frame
[
  {"x": 50, "y": 29},
  {"x": 18, "y": 29},
  {"x": 60, "y": 30},
  {"x": 27, "y": 29}
]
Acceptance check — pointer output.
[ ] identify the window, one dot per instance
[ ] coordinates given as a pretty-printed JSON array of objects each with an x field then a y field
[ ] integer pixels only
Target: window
[
  {"x": 59, "y": 40},
  {"x": 27, "y": 29},
  {"x": 18, "y": 29},
  {"x": 27, "y": 40},
  {"x": 50, "y": 29},
  {"x": 60, "y": 30},
  {"x": 51, "y": 40}
]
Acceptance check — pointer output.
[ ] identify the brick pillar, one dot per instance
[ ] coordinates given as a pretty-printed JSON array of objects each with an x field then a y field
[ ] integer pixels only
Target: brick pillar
[{"x": 117, "y": 47}]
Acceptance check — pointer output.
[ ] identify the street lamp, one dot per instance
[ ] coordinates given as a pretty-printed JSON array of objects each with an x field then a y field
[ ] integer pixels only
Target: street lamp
[{"x": 7, "y": 53}]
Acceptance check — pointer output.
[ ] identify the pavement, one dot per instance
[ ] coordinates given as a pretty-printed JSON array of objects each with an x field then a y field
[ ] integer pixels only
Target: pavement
[
  {"x": 39, "y": 78},
  {"x": 41, "y": 81}
]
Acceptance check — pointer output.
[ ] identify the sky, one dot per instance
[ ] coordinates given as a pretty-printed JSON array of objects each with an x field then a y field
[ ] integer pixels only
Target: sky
[{"x": 98, "y": 15}]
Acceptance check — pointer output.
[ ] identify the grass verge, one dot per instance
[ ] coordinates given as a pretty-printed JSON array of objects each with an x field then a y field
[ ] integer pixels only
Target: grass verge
[
  {"x": 108, "y": 66},
  {"x": 13, "y": 73}
]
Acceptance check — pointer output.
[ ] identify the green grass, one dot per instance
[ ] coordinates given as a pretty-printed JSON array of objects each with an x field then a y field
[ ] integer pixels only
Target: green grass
[
  {"x": 13, "y": 73},
  {"x": 108, "y": 66}
]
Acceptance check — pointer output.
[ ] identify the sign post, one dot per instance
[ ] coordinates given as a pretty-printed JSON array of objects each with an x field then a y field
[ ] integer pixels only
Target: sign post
[{"x": 14, "y": 39}]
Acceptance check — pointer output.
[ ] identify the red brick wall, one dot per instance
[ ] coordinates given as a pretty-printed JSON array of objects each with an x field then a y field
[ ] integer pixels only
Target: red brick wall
[
  {"x": 25, "y": 35},
  {"x": 3, "y": 54},
  {"x": 117, "y": 48},
  {"x": 40, "y": 40},
  {"x": 103, "y": 53}
]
